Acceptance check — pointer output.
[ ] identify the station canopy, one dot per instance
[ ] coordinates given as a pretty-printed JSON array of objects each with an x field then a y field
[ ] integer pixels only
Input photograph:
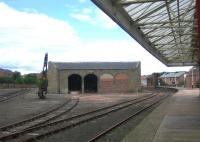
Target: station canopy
[{"x": 165, "y": 28}]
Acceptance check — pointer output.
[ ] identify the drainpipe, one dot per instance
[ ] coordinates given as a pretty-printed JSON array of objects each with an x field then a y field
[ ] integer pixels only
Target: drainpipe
[
  {"x": 192, "y": 78},
  {"x": 175, "y": 80},
  {"x": 198, "y": 26},
  {"x": 82, "y": 87}
]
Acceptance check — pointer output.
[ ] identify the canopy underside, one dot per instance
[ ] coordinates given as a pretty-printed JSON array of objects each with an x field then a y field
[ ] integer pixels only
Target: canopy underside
[{"x": 165, "y": 28}]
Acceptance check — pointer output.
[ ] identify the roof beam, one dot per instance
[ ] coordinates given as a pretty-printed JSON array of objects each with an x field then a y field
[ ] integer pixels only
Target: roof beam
[
  {"x": 175, "y": 48},
  {"x": 159, "y": 39},
  {"x": 119, "y": 15},
  {"x": 127, "y": 2},
  {"x": 186, "y": 63},
  {"x": 160, "y": 35},
  {"x": 172, "y": 21},
  {"x": 171, "y": 26},
  {"x": 153, "y": 11},
  {"x": 175, "y": 43},
  {"x": 187, "y": 10},
  {"x": 164, "y": 22}
]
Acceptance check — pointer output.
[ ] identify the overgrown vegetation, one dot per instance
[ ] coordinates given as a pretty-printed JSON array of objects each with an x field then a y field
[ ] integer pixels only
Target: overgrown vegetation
[
  {"x": 197, "y": 84},
  {"x": 17, "y": 78},
  {"x": 181, "y": 84}
]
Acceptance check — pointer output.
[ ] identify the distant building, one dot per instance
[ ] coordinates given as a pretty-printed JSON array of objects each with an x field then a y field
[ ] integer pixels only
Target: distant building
[
  {"x": 98, "y": 77},
  {"x": 5, "y": 73},
  {"x": 152, "y": 80},
  {"x": 32, "y": 74},
  {"x": 172, "y": 78},
  {"x": 144, "y": 80}
]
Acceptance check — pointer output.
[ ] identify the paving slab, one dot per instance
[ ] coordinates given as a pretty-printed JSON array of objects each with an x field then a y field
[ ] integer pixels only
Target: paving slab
[{"x": 175, "y": 120}]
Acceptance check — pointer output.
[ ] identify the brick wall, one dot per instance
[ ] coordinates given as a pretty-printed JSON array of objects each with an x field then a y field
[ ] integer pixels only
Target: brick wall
[
  {"x": 108, "y": 80},
  {"x": 106, "y": 86},
  {"x": 188, "y": 80},
  {"x": 119, "y": 83}
]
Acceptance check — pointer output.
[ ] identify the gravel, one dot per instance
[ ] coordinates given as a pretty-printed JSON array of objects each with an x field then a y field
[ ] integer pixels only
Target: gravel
[
  {"x": 86, "y": 131},
  {"x": 29, "y": 104}
]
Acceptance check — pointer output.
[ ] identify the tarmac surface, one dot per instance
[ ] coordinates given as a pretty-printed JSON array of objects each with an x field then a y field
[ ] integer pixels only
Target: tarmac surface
[
  {"x": 25, "y": 106},
  {"x": 175, "y": 120}
]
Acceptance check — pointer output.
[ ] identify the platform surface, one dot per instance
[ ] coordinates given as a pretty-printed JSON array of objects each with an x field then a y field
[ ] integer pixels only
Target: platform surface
[{"x": 175, "y": 120}]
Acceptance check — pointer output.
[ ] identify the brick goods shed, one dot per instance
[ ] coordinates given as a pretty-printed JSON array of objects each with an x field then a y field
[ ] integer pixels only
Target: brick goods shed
[{"x": 93, "y": 77}]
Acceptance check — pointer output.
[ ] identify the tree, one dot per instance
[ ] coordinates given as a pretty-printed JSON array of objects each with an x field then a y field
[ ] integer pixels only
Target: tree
[
  {"x": 6, "y": 80},
  {"x": 17, "y": 78},
  {"x": 197, "y": 84},
  {"x": 30, "y": 79}
]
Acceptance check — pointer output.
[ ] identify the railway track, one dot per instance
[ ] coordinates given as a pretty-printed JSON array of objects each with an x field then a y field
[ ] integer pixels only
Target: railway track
[
  {"x": 40, "y": 119},
  {"x": 38, "y": 132},
  {"x": 9, "y": 95},
  {"x": 111, "y": 128}
]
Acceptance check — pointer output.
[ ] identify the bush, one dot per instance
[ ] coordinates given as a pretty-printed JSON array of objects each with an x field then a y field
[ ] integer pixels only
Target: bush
[
  {"x": 6, "y": 80},
  {"x": 30, "y": 79},
  {"x": 180, "y": 84},
  {"x": 197, "y": 84},
  {"x": 42, "y": 83}
]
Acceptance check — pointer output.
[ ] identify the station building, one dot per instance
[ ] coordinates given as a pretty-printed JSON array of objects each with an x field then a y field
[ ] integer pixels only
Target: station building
[
  {"x": 94, "y": 77},
  {"x": 173, "y": 78}
]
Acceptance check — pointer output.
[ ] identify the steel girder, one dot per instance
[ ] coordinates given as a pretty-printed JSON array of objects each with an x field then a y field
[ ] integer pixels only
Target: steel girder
[{"x": 165, "y": 28}]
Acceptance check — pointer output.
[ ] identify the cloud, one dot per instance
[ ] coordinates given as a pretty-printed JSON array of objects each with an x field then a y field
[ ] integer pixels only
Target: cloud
[
  {"x": 32, "y": 10},
  {"x": 81, "y": 17},
  {"x": 110, "y": 50},
  {"x": 82, "y": 1},
  {"x": 104, "y": 20},
  {"x": 87, "y": 10},
  {"x": 95, "y": 17},
  {"x": 115, "y": 50},
  {"x": 25, "y": 36}
]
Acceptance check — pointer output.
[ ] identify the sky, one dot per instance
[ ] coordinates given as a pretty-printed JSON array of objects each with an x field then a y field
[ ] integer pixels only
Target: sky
[{"x": 69, "y": 31}]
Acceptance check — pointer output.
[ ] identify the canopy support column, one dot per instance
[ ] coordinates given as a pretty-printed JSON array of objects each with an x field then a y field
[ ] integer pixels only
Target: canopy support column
[{"x": 198, "y": 37}]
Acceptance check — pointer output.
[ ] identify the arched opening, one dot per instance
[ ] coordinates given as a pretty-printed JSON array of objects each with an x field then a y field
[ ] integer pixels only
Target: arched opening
[
  {"x": 106, "y": 77},
  {"x": 74, "y": 83},
  {"x": 90, "y": 83}
]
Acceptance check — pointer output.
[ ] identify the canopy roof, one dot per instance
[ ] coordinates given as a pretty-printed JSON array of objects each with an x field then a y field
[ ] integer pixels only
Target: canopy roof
[
  {"x": 165, "y": 28},
  {"x": 172, "y": 74}
]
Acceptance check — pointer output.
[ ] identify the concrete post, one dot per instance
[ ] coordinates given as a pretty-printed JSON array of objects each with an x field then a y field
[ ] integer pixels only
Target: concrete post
[
  {"x": 198, "y": 25},
  {"x": 82, "y": 86},
  {"x": 192, "y": 78}
]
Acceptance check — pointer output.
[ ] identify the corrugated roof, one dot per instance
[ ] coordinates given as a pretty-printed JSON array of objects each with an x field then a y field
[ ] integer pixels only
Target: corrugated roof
[
  {"x": 165, "y": 28},
  {"x": 172, "y": 74},
  {"x": 95, "y": 65}
]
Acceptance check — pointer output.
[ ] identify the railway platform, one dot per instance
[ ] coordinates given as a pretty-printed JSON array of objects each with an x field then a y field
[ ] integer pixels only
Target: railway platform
[{"x": 175, "y": 120}]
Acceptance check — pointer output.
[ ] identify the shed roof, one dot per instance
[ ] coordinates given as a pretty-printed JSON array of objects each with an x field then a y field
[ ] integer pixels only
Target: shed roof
[{"x": 95, "y": 65}]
